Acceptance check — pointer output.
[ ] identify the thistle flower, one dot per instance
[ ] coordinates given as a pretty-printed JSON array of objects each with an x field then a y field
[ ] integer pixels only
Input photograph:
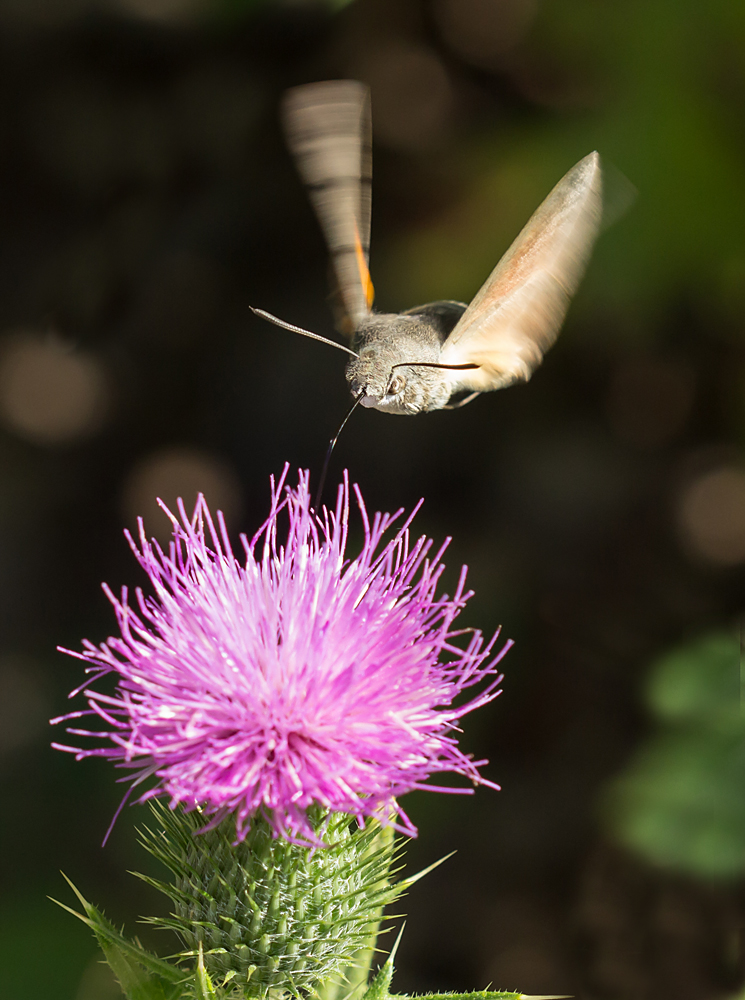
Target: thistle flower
[{"x": 294, "y": 676}]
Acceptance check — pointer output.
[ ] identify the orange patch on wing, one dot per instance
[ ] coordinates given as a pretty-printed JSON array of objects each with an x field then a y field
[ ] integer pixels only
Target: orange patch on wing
[{"x": 365, "y": 279}]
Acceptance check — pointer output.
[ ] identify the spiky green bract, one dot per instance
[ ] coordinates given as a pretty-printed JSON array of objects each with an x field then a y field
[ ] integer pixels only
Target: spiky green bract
[
  {"x": 269, "y": 915},
  {"x": 480, "y": 995},
  {"x": 141, "y": 975},
  {"x": 379, "y": 988}
]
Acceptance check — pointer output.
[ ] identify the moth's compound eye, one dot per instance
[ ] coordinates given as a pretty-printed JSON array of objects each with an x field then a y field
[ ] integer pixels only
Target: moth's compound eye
[{"x": 397, "y": 384}]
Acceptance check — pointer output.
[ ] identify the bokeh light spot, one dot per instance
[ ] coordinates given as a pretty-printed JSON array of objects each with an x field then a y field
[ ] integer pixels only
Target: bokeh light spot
[
  {"x": 50, "y": 393},
  {"x": 711, "y": 516},
  {"x": 173, "y": 473},
  {"x": 412, "y": 95}
]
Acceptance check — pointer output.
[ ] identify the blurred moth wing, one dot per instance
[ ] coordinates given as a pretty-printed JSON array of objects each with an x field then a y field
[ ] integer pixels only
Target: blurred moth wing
[
  {"x": 328, "y": 127},
  {"x": 517, "y": 314}
]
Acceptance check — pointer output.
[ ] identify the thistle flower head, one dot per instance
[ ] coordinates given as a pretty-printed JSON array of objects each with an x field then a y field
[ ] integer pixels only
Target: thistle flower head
[{"x": 290, "y": 676}]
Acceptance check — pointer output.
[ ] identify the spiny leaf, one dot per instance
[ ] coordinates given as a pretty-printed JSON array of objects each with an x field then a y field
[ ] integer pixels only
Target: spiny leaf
[
  {"x": 412, "y": 879},
  {"x": 204, "y": 988},
  {"x": 141, "y": 975},
  {"x": 102, "y": 927},
  {"x": 480, "y": 995},
  {"x": 381, "y": 984}
]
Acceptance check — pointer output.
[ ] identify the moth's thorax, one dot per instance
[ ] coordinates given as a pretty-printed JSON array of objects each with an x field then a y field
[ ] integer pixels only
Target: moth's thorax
[{"x": 385, "y": 340}]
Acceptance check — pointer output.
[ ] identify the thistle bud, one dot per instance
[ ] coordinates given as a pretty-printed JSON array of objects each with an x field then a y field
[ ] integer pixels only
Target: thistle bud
[{"x": 269, "y": 914}]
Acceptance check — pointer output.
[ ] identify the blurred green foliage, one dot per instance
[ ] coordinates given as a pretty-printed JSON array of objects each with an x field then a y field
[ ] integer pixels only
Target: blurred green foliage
[{"x": 681, "y": 801}]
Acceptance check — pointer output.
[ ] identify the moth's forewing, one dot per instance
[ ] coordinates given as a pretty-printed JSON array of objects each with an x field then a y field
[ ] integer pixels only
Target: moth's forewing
[
  {"x": 329, "y": 132},
  {"x": 518, "y": 312}
]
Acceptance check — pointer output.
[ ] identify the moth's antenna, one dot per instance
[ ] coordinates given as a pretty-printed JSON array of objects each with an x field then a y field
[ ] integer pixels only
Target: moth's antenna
[
  {"x": 428, "y": 364},
  {"x": 298, "y": 329},
  {"x": 434, "y": 364},
  {"x": 431, "y": 364},
  {"x": 332, "y": 443}
]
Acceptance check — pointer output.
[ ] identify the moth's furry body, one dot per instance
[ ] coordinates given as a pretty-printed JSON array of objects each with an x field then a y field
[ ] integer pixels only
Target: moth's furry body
[
  {"x": 385, "y": 340},
  {"x": 501, "y": 337}
]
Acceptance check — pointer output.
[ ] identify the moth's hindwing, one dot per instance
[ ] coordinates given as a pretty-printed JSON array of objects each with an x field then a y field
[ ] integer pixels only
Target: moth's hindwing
[{"x": 329, "y": 132}]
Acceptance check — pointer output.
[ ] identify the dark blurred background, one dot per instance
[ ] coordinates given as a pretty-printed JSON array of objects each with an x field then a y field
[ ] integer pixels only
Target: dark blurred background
[{"x": 146, "y": 201}]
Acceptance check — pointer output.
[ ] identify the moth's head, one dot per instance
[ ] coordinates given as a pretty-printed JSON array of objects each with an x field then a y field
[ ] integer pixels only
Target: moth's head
[
  {"x": 386, "y": 373},
  {"x": 387, "y": 390}
]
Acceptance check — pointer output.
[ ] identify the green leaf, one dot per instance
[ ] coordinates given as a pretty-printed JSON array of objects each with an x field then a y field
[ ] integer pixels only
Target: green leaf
[
  {"x": 204, "y": 988},
  {"x": 136, "y": 982},
  {"x": 141, "y": 975},
  {"x": 379, "y": 987},
  {"x": 679, "y": 800},
  {"x": 381, "y": 984},
  {"x": 700, "y": 680},
  {"x": 482, "y": 995}
]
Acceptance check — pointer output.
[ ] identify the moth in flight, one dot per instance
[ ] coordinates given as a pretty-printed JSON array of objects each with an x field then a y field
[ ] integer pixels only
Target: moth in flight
[{"x": 427, "y": 357}]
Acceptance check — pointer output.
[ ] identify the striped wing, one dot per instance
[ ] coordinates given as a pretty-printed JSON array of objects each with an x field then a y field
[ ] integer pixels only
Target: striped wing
[
  {"x": 329, "y": 132},
  {"x": 518, "y": 313}
]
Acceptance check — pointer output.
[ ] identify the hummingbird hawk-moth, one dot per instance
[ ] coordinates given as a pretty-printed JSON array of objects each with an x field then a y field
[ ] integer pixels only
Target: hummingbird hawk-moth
[{"x": 429, "y": 356}]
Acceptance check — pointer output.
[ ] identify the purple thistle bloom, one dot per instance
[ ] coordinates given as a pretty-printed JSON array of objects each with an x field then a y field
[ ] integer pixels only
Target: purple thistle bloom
[{"x": 296, "y": 676}]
